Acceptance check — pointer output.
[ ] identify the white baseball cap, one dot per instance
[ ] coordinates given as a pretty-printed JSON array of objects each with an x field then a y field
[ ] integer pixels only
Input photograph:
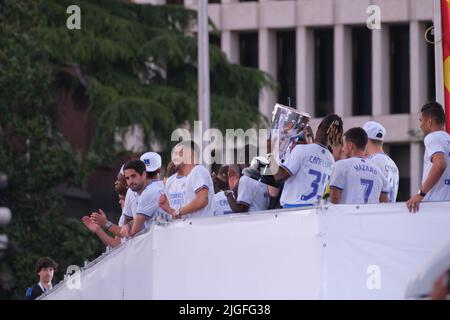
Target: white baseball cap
[
  {"x": 375, "y": 130},
  {"x": 152, "y": 161}
]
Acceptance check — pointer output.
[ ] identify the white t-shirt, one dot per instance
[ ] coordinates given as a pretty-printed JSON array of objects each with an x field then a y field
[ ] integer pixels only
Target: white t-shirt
[
  {"x": 131, "y": 203},
  {"x": 149, "y": 201},
  {"x": 360, "y": 179},
  {"x": 175, "y": 190},
  {"x": 310, "y": 167},
  {"x": 437, "y": 142},
  {"x": 390, "y": 169},
  {"x": 253, "y": 194},
  {"x": 221, "y": 204},
  {"x": 198, "y": 179}
]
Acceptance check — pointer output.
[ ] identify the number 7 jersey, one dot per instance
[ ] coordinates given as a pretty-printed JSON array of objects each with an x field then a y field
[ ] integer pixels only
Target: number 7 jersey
[
  {"x": 310, "y": 167},
  {"x": 360, "y": 180}
]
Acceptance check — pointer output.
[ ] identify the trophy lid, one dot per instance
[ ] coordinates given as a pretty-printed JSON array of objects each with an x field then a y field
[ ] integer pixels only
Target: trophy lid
[{"x": 290, "y": 109}]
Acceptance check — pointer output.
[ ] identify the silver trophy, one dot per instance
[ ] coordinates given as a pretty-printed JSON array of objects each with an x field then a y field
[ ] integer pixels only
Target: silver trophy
[{"x": 287, "y": 128}]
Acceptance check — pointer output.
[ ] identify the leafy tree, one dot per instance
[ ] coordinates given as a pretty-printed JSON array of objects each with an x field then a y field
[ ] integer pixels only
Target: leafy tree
[
  {"x": 35, "y": 160},
  {"x": 137, "y": 65}
]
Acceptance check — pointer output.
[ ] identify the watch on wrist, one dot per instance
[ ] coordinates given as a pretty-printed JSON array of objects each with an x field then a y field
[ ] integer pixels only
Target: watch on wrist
[
  {"x": 421, "y": 193},
  {"x": 107, "y": 225}
]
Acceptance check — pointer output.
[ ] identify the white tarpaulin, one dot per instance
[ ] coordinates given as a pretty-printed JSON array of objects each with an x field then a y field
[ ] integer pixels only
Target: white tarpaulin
[{"x": 342, "y": 252}]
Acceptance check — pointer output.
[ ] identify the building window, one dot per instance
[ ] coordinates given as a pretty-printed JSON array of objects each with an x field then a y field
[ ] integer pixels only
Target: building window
[
  {"x": 399, "y": 69},
  {"x": 323, "y": 72},
  {"x": 175, "y": 2},
  {"x": 286, "y": 67},
  {"x": 248, "y": 49},
  {"x": 400, "y": 153},
  {"x": 362, "y": 71},
  {"x": 431, "y": 81},
  {"x": 213, "y": 1}
]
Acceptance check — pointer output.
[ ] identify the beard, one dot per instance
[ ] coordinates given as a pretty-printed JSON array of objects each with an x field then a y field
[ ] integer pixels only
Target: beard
[{"x": 136, "y": 187}]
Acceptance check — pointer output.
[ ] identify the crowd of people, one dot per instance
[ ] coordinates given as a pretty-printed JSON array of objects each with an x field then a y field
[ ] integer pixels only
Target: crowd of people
[{"x": 341, "y": 167}]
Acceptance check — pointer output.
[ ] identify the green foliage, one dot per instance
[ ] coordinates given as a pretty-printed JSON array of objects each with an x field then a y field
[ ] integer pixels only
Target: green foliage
[
  {"x": 140, "y": 63},
  {"x": 35, "y": 161},
  {"x": 137, "y": 65}
]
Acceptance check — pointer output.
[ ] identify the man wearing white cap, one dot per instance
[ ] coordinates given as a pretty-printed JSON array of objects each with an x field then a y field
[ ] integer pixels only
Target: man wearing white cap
[
  {"x": 147, "y": 190},
  {"x": 374, "y": 151}
]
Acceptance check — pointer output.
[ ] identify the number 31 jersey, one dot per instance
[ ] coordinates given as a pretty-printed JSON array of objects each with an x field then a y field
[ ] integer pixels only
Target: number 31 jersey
[
  {"x": 360, "y": 180},
  {"x": 310, "y": 167}
]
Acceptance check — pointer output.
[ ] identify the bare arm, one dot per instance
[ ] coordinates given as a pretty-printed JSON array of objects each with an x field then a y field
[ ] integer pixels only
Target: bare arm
[
  {"x": 235, "y": 206},
  {"x": 384, "y": 197},
  {"x": 104, "y": 237},
  {"x": 115, "y": 229},
  {"x": 281, "y": 175},
  {"x": 138, "y": 224},
  {"x": 437, "y": 169},
  {"x": 126, "y": 230},
  {"x": 200, "y": 201}
]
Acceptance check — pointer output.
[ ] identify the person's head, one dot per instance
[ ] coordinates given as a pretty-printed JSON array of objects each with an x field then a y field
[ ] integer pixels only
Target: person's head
[
  {"x": 338, "y": 152},
  {"x": 135, "y": 175},
  {"x": 121, "y": 201},
  {"x": 329, "y": 132},
  {"x": 45, "y": 269},
  {"x": 221, "y": 179},
  {"x": 185, "y": 153},
  {"x": 120, "y": 185},
  {"x": 432, "y": 118},
  {"x": 153, "y": 163},
  {"x": 375, "y": 134},
  {"x": 355, "y": 141}
]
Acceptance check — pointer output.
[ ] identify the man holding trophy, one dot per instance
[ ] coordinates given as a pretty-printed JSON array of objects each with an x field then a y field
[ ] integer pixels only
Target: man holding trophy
[{"x": 305, "y": 169}]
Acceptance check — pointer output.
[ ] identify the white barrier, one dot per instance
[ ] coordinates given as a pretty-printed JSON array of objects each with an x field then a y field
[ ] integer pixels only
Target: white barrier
[{"x": 342, "y": 252}]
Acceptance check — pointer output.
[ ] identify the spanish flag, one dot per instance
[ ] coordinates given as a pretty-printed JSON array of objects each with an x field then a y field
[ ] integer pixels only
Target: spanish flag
[{"x": 445, "y": 20}]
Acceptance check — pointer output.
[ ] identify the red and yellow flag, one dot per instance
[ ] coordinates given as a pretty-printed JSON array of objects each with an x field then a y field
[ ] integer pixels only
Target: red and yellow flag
[{"x": 445, "y": 20}]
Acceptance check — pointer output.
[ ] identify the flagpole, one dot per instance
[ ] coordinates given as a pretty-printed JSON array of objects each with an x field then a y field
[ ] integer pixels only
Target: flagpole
[
  {"x": 203, "y": 70},
  {"x": 438, "y": 54}
]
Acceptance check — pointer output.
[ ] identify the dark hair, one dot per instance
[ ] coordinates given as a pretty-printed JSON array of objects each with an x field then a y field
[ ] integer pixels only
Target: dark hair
[
  {"x": 376, "y": 142},
  {"x": 136, "y": 165},
  {"x": 191, "y": 145},
  {"x": 357, "y": 136},
  {"x": 170, "y": 169},
  {"x": 435, "y": 111},
  {"x": 333, "y": 127},
  {"x": 223, "y": 171},
  {"x": 152, "y": 174},
  {"x": 45, "y": 262}
]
